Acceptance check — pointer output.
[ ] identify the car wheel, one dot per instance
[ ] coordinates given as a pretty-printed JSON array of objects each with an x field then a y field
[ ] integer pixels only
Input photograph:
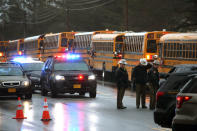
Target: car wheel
[
  {"x": 92, "y": 94},
  {"x": 28, "y": 96},
  {"x": 82, "y": 93},
  {"x": 44, "y": 92},
  {"x": 53, "y": 93}
]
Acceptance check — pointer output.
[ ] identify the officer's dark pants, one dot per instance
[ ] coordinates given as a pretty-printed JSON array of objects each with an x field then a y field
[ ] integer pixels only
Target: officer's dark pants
[
  {"x": 140, "y": 93},
  {"x": 120, "y": 95},
  {"x": 153, "y": 90}
]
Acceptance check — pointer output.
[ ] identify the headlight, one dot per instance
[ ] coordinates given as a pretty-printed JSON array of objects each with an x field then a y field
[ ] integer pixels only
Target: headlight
[
  {"x": 25, "y": 83},
  {"x": 91, "y": 77},
  {"x": 58, "y": 77}
]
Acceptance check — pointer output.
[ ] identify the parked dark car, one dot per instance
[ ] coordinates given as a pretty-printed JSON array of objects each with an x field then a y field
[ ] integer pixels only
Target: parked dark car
[
  {"x": 166, "y": 95},
  {"x": 13, "y": 81},
  {"x": 33, "y": 68},
  {"x": 67, "y": 74},
  {"x": 186, "y": 105}
]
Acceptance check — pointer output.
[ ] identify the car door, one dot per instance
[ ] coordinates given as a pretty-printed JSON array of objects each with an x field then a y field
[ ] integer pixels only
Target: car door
[
  {"x": 44, "y": 73},
  {"x": 49, "y": 72},
  {"x": 189, "y": 105}
]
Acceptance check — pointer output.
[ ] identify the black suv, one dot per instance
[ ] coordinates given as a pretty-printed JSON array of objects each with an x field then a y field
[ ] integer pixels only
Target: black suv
[
  {"x": 166, "y": 95},
  {"x": 67, "y": 74},
  {"x": 13, "y": 81}
]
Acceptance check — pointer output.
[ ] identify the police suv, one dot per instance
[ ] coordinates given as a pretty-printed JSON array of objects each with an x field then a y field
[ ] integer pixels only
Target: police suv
[{"x": 67, "y": 73}]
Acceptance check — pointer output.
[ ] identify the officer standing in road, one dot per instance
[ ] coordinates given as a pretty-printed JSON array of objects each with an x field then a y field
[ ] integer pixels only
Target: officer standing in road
[
  {"x": 140, "y": 77},
  {"x": 153, "y": 78},
  {"x": 122, "y": 82}
]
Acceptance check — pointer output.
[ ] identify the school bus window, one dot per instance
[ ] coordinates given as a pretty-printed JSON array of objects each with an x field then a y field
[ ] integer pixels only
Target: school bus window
[
  {"x": 151, "y": 46},
  {"x": 118, "y": 47},
  {"x": 150, "y": 36},
  {"x": 119, "y": 39},
  {"x": 64, "y": 42},
  {"x": 21, "y": 46},
  {"x": 41, "y": 43},
  {"x": 2, "y": 48},
  {"x": 70, "y": 44},
  {"x": 179, "y": 50}
]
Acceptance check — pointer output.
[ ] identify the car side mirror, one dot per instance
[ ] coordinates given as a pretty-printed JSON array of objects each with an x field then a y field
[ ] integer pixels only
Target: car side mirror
[
  {"x": 28, "y": 75},
  {"x": 47, "y": 70}
]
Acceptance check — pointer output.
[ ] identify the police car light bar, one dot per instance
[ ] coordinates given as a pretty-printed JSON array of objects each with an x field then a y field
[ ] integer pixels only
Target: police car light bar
[
  {"x": 69, "y": 56},
  {"x": 22, "y": 59}
]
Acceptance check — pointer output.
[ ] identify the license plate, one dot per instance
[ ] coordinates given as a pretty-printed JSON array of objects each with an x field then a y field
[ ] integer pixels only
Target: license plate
[
  {"x": 77, "y": 86},
  {"x": 11, "y": 90}
]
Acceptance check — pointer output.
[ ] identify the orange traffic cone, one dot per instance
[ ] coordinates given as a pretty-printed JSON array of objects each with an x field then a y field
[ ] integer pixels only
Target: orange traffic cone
[
  {"x": 19, "y": 111},
  {"x": 45, "y": 114}
]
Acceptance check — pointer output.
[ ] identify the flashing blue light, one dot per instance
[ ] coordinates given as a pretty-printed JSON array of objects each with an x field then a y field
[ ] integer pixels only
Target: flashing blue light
[
  {"x": 22, "y": 59},
  {"x": 72, "y": 56}
]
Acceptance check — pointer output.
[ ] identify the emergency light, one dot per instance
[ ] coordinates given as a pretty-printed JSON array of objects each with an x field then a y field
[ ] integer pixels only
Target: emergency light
[
  {"x": 20, "y": 53},
  {"x": 1, "y": 54},
  {"x": 69, "y": 56},
  {"x": 23, "y": 59},
  {"x": 80, "y": 77}
]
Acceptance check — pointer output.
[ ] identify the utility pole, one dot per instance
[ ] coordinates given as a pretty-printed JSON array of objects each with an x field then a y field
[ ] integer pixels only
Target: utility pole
[
  {"x": 68, "y": 19},
  {"x": 126, "y": 15},
  {"x": 67, "y": 15},
  {"x": 25, "y": 24}
]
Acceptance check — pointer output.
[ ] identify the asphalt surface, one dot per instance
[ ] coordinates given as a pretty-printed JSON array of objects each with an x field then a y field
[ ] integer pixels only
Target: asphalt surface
[{"x": 78, "y": 113}]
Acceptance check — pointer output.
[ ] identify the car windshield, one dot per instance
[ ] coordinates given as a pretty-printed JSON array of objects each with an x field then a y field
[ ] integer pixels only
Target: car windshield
[
  {"x": 32, "y": 66},
  {"x": 180, "y": 69},
  {"x": 190, "y": 86},
  {"x": 10, "y": 71},
  {"x": 78, "y": 66}
]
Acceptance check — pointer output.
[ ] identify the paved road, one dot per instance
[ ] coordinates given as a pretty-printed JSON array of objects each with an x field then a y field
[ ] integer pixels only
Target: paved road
[{"x": 78, "y": 113}]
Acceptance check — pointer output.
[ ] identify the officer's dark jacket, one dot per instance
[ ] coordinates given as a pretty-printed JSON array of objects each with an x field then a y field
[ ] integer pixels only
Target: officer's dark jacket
[
  {"x": 139, "y": 74},
  {"x": 122, "y": 77},
  {"x": 153, "y": 76}
]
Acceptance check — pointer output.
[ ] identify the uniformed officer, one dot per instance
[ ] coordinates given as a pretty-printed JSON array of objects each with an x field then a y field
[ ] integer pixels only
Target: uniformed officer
[
  {"x": 122, "y": 82},
  {"x": 153, "y": 76},
  {"x": 140, "y": 77}
]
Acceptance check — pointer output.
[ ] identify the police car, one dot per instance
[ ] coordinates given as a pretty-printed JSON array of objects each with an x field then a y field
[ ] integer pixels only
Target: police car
[
  {"x": 32, "y": 68},
  {"x": 67, "y": 73}
]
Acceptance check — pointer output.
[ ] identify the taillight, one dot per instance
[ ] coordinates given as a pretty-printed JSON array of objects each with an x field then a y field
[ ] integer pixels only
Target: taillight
[
  {"x": 159, "y": 93},
  {"x": 181, "y": 99},
  {"x": 80, "y": 77}
]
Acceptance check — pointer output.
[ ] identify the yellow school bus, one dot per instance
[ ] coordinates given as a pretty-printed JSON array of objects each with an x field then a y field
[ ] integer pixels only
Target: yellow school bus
[
  {"x": 107, "y": 50},
  {"x": 82, "y": 43},
  {"x": 55, "y": 43},
  {"x": 31, "y": 46},
  {"x": 3, "y": 51},
  {"x": 177, "y": 48},
  {"x": 13, "y": 48},
  {"x": 141, "y": 45}
]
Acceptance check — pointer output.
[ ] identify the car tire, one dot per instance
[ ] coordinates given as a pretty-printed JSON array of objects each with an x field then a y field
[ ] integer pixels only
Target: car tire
[
  {"x": 28, "y": 96},
  {"x": 44, "y": 92},
  {"x": 178, "y": 129},
  {"x": 82, "y": 93},
  {"x": 92, "y": 94},
  {"x": 53, "y": 93}
]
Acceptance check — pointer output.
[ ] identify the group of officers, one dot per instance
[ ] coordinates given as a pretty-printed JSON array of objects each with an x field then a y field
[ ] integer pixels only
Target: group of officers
[{"x": 143, "y": 75}]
